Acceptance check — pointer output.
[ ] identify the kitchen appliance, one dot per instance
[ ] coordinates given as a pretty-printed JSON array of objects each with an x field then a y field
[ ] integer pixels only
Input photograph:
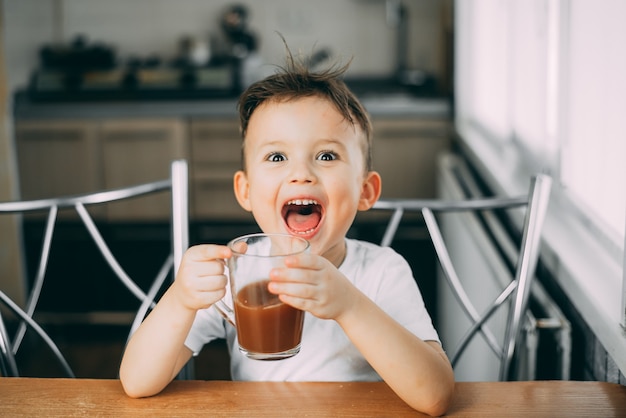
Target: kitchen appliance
[{"x": 92, "y": 72}]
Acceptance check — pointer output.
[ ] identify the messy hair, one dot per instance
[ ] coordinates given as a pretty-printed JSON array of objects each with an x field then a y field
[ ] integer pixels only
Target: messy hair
[{"x": 294, "y": 81}]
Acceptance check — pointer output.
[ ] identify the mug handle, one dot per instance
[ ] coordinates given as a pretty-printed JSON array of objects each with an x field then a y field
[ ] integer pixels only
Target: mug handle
[{"x": 225, "y": 311}]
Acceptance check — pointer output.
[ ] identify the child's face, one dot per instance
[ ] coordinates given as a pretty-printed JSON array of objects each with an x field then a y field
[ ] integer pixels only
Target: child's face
[{"x": 305, "y": 173}]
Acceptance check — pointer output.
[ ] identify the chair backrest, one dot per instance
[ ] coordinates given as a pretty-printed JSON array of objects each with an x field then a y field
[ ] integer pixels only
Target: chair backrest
[
  {"x": 516, "y": 293},
  {"x": 176, "y": 185}
]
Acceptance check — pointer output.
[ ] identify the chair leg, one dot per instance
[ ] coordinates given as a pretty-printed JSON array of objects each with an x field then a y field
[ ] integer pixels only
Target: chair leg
[
  {"x": 8, "y": 366},
  {"x": 35, "y": 291},
  {"x": 35, "y": 326},
  {"x": 525, "y": 271},
  {"x": 180, "y": 231}
]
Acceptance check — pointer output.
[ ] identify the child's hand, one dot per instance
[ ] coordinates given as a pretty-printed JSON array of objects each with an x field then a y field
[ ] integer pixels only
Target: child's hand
[
  {"x": 312, "y": 283},
  {"x": 200, "y": 281}
]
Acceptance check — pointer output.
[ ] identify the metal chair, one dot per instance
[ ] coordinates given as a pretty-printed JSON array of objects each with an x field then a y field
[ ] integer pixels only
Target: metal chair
[
  {"x": 176, "y": 185},
  {"x": 516, "y": 292}
]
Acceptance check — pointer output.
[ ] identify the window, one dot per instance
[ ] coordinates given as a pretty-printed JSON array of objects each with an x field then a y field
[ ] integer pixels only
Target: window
[
  {"x": 540, "y": 86},
  {"x": 595, "y": 146}
]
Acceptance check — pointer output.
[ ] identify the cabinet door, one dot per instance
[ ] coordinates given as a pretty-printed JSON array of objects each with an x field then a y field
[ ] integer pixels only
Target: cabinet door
[
  {"x": 57, "y": 158},
  {"x": 405, "y": 154},
  {"x": 139, "y": 151},
  {"x": 216, "y": 156}
]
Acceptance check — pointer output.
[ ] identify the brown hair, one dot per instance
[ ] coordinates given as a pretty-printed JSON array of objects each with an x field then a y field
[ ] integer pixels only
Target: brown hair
[{"x": 295, "y": 81}]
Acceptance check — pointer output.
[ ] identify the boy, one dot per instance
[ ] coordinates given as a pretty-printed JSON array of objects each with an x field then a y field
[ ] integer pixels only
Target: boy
[{"x": 306, "y": 171}]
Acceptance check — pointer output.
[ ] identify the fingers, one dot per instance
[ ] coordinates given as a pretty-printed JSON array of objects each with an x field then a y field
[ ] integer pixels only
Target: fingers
[
  {"x": 200, "y": 294},
  {"x": 201, "y": 281},
  {"x": 296, "y": 302},
  {"x": 306, "y": 261},
  {"x": 303, "y": 268},
  {"x": 302, "y": 278},
  {"x": 311, "y": 283},
  {"x": 206, "y": 252},
  {"x": 305, "y": 297},
  {"x": 203, "y": 260}
]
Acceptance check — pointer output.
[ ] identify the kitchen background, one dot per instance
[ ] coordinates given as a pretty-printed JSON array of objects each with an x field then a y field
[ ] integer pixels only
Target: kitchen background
[
  {"x": 373, "y": 33},
  {"x": 98, "y": 83}
]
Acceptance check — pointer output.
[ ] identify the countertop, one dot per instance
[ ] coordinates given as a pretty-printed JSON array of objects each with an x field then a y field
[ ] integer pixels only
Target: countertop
[
  {"x": 90, "y": 397},
  {"x": 379, "y": 104}
]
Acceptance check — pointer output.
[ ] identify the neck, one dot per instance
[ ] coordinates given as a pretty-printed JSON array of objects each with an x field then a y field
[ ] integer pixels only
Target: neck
[{"x": 337, "y": 254}]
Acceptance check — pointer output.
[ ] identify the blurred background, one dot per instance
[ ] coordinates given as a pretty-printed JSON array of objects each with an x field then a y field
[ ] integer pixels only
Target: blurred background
[{"x": 384, "y": 38}]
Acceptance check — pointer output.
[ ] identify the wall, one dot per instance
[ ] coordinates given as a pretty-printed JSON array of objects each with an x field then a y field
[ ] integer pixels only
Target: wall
[{"x": 350, "y": 28}]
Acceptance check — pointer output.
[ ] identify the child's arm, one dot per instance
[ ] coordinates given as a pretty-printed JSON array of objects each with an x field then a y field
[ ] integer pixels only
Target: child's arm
[
  {"x": 156, "y": 351},
  {"x": 418, "y": 371}
]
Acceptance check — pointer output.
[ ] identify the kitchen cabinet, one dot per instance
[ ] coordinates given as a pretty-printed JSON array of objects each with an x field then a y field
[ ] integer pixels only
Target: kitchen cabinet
[
  {"x": 405, "y": 152},
  {"x": 215, "y": 157},
  {"x": 140, "y": 151},
  {"x": 60, "y": 158},
  {"x": 57, "y": 158},
  {"x": 78, "y": 148}
]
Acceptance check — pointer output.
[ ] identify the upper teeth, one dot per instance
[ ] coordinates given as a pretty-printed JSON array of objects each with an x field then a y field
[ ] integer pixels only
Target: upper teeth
[{"x": 302, "y": 202}]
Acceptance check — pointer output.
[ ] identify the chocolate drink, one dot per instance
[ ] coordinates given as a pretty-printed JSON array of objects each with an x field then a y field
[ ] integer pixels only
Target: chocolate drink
[{"x": 264, "y": 323}]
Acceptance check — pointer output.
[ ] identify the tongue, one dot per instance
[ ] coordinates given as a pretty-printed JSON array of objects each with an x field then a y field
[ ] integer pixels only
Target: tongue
[{"x": 301, "y": 223}]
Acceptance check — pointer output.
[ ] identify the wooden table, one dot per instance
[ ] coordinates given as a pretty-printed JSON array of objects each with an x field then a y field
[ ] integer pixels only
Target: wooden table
[{"x": 89, "y": 397}]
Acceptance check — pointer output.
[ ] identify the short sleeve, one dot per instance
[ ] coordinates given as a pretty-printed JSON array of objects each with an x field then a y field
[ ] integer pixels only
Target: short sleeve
[
  {"x": 386, "y": 278},
  {"x": 208, "y": 325}
]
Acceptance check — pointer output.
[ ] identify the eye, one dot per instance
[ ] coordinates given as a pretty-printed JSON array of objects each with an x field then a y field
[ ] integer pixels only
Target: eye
[
  {"x": 276, "y": 157},
  {"x": 326, "y": 156}
]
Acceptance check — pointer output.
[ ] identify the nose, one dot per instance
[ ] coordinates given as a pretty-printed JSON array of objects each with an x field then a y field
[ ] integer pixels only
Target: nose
[{"x": 302, "y": 172}]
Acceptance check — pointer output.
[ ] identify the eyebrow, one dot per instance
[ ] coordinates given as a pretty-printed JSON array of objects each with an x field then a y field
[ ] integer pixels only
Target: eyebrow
[{"x": 317, "y": 142}]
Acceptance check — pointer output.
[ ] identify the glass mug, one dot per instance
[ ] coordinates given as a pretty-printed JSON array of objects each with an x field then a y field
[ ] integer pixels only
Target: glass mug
[{"x": 267, "y": 329}]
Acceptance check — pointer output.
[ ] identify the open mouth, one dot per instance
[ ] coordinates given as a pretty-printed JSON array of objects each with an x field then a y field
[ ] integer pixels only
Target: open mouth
[{"x": 302, "y": 216}]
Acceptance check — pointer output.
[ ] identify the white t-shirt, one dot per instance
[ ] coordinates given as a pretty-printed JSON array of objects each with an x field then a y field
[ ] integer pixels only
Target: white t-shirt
[{"x": 326, "y": 353}]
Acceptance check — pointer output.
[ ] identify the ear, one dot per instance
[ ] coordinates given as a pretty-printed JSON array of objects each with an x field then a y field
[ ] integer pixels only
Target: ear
[
  {"x": 242, "y": 190},
  {"x": 370, "y": 192}
]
